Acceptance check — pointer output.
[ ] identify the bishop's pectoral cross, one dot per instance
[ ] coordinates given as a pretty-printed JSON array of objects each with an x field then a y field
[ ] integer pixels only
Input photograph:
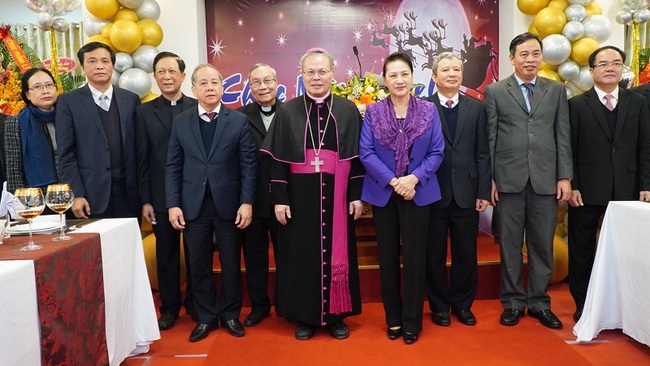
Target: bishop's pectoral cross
[{"x": 317, "y": 163}]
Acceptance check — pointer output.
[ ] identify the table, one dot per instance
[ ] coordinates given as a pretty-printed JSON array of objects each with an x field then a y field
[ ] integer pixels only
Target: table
[
  {"x": 618, "y": 295},
  {"x": 130, "y": 317}
]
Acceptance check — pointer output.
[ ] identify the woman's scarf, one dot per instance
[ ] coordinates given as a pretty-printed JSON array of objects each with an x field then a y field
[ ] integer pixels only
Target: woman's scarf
[
  {"x": 399, "y": 135},
  {"x": 38, "y": 156}
]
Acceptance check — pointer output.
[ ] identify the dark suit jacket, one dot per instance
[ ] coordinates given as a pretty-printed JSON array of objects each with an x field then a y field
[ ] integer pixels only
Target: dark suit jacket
[
  {"x": 524, "y": 145},
  {"x": 464, "y": 173},
  {"x": 153, "y": 127},
  {"x": 82, "y": 146},
  {"x": 643, "y": 90},
  {"x": 229, "y": 167},
  {"x": 610, "y": 169},
  {"x": 262, "y": 207}
]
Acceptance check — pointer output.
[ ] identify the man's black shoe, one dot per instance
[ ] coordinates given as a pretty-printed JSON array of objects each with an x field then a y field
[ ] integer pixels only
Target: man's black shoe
[
  {"x": 339, "y": 330},
  {"x": 511, "y": 316},
  {"x": 202, "y": 330},
  {"x": 166, "y": 321},
  {"x": 304, "y": 331},
  {"x": 234, "y": 327},
  {"x": 547, "y": 318},
  {"x": 465, "y": 316},
  {"x": 255, "y": 318},
  {"x": 441, "y": 319}
]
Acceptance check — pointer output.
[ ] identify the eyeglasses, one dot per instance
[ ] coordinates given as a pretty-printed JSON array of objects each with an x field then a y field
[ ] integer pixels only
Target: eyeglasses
[
  {"x": 604, "y": 65},
  {"x": 41, "y": 87},
  {"x": 258, "y": 83},
  {"x": 311, "y": 73}
]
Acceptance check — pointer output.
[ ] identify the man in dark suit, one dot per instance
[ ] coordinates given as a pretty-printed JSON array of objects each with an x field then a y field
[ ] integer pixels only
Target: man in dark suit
[
  {"x": 263, "y": 84},
  {"x": 210, "y": 183},
  {"x": 464, "y": 179},
  {"x": 153, "y": 127},
  {"x": 95, "y": 136},
  {"x": 610, "y": 139},
  {"x": 530, "y": 150}
]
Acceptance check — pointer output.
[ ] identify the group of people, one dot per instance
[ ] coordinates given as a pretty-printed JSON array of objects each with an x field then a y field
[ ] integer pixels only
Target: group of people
[{"x": 297, "y": 172}]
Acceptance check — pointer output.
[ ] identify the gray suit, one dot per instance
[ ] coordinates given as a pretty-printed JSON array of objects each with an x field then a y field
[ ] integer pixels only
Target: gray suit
[{"x": 530, "y": 152}]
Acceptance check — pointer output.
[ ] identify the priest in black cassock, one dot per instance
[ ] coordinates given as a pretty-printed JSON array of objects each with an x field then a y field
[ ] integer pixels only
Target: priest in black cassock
[{"x": 316, "y": 181}]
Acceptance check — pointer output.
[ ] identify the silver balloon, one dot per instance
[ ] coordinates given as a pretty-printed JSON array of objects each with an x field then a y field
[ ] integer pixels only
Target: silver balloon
[
  {"x": 93, "y": 25},
  {"x": 115, "y": 78},
  {"x": 61, "y": 25},
  {"x": 123, "y": 61},
  {"x": 568, "y": 70},
  {"x": 584, "y": 81},
  {"x": 569, "y": 92},
  {"x": 143, "y": 57},
  {"x": 148, "y": 10},
  {"x": 573, "y": 87},
  {"x": 557, "y": 49},
  {"x": 575, "y": 12},
  {"x": 45, "y": 21},
  {"x": 581, "y": 2},
  {"x": 573, "y": 30},
  {"x": 131, "y": 4},
  {"x": 597, "y": 27},
  {"x": 642, "y": 16},
  {"x": 136, "y": 80},
  {"x": 624, "y": 17},
  {"x": 52, "y": 7},
  {"x": 627, "y": 78}
]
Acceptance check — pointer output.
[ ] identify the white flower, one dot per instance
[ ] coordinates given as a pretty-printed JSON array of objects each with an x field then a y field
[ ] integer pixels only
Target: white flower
[
  {"x": 362, "y": 109},
  {"x": 370, "y": 89}
]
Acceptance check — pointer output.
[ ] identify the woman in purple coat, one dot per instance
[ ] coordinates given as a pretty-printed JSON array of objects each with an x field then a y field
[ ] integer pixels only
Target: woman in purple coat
[{"x": 401, "y": 147}]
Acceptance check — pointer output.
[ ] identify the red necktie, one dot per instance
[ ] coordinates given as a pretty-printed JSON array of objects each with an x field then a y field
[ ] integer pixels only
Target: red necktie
[{"x": 449, "y": 103}]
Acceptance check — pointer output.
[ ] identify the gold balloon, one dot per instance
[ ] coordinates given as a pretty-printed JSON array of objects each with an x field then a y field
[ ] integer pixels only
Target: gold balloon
[
  {"x": 531, "y": 28},
  {"x": 560, "y": 260},
  {"x": 549, "y": 21},
  {"x": 127, "y": 14},
  {"x": 559, "y": 4},
  {"x": 561, "y": 230},
  {"x": 593, "y": 9},
  {"x": 581, "y": 49},
  {"x": 149, "y": 247},
  {"x": 546, "y": 66},
  {"x": 101, "y": 39},
  {"x": 148, "y": 97},
  {"x": 102, "y": 9},
  {"x": 549, "y": 74},
  {"x": 531, "y": 7},
  {"x": 126, "y": 36},
  {"x": 152, "y": 33},
  {"x": 106, "y": 30}
]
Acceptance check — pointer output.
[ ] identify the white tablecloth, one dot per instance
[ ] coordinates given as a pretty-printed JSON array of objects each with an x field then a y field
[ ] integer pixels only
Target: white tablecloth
[
  {"x": 618, "y": 296},
  {"x": 20, "y": 342},
  {"x": 131, "y": 323}
]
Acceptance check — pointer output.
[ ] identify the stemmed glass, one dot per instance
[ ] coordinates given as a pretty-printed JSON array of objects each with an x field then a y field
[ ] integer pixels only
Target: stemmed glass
[
  {"x": 31, "y": 200},
  {"x": 59, "y": 198}
]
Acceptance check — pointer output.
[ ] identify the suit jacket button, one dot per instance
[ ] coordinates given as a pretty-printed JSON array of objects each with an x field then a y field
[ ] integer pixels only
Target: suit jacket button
[
  {"x": 530, "y": 120},
  {"x": 530, "y": 152}
]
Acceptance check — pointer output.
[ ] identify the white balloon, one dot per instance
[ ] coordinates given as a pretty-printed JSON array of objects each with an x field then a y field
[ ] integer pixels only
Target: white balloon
[
  {"x": 568, "y": 70},
  {"x": 136, "y": 80},
  {"x": 584, "y": 81},
  {"x": 45, "y": 20},
  {"x": 581, "y": 2},
  {"x": 93, "y": 25},
  {"x": 557, "y": 49},
  {"x": 575, "y": 12},
  {"x": 61, "y": 25},
  {"x": 624, "y": 17},
  {"x": 642, "y": 16},
  {"x": 573, "y": 30},
  {"x": 148, "y": 10},
  {"x": 52, "y": 7},
  {"x": 123, "y": 61},
  {"x": 115, "y": 78},
  {"x": 598, "y": 27},
  {"x": 143, "y": 57},
  {"x": 131, "y": 4}
]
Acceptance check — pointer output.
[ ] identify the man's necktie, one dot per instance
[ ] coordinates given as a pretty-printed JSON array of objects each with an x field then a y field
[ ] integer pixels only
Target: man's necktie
[
  {"x": 449, "y": 103},
  {"x": 529, "y": 92},
  {"x": 103, "y": 102},
  {"x": 608, "y": 102},
  {"x": 210, "y": 115}
]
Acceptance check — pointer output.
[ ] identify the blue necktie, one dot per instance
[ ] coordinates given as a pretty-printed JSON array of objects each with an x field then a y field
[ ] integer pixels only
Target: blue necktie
[{"x": 529, "y": 92}]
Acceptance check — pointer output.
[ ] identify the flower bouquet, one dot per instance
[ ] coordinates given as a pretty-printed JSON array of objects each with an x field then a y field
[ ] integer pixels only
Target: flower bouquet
[{"x": 362, "y": 92}]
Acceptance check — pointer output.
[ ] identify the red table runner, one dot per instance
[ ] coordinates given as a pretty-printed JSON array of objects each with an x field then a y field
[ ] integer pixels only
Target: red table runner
[{"x": 70, "y": 292}]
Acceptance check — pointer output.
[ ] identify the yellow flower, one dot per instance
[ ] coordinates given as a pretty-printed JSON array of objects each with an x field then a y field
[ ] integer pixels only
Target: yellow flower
[
  {"x": 10, "y": 101},
  {"x": 362, "y": 93}
]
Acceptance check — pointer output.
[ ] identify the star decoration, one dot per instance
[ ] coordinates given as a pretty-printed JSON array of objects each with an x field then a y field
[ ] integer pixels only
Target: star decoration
[
  {"x": 369, "y": 26},
  {"x": 216, "y": 48},
  {"x": 357, "y": 35},
  {"x": 252, "y": 39},
  {"x": 240, "y": 22},
  {"x": 349, "y": 72},
  {"x": 481, "y": 3},
  {"x": 282, "y": 40}
]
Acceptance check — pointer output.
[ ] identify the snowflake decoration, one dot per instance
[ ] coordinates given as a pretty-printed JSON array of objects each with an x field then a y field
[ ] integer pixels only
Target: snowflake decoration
[
  {"x": 357, "y": 35},
  {"x": 240, "y": 22},
  {"x": 216, "y": 48},
  {"x": 282, "y": 40}
]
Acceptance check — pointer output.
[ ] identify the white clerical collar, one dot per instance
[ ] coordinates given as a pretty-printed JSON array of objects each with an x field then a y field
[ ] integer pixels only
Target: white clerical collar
[
  {"x": 318, "y": 100},
  {"x": 96, "y": 93}
]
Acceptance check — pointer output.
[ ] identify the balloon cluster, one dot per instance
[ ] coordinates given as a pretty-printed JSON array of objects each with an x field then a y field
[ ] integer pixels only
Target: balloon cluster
[
  {"x": 632, "y": 11},
  {"x": 570, "y": 30},
  {"x": 48, "y": 9},
  {"x": 129, "y": 27}
]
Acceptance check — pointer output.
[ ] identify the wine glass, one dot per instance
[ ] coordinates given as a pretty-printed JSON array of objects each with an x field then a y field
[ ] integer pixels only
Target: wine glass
[
  {"x": 59, "y": 198},
  {"x": 31, "y": 200}
]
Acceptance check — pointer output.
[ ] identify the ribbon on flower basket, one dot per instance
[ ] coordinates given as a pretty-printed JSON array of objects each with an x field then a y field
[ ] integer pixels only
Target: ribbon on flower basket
[
  {"x": 9, "y": 203},
  {"x": 16, "y": 52}
]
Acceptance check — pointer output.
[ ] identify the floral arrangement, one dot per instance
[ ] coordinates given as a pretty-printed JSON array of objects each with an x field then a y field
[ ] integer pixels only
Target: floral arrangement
[
  {"x": 362, "y": 92},
  {"x": 10, "y": 101}
]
